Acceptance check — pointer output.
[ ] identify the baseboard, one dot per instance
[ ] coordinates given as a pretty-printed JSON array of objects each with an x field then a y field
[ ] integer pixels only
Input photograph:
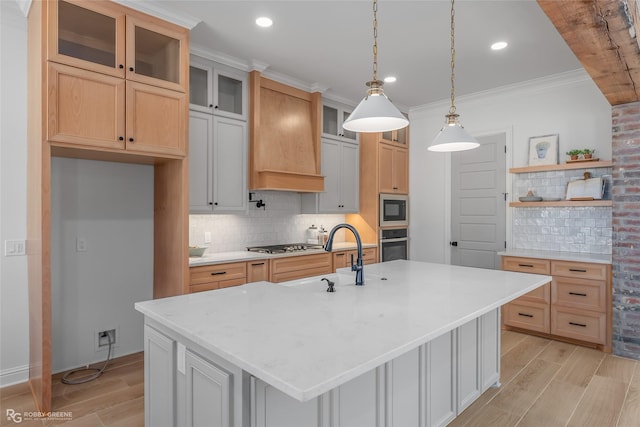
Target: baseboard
[{"x": 17, "y": 375}]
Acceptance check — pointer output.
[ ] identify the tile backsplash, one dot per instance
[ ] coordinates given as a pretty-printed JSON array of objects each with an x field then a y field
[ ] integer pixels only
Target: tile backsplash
[
  {"x": 279, "y": 222},
  {"x": 566, "y": 229}
]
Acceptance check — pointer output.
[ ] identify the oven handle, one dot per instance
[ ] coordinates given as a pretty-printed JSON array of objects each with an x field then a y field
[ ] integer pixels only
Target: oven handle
[{"x": 401, "y": 239}]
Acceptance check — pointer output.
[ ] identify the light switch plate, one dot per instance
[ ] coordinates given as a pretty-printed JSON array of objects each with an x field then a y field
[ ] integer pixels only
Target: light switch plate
[
  {"x": 81, "y": 244},
  {"x": 207, "y": 237},
  {"x": 14, "y": 247}
]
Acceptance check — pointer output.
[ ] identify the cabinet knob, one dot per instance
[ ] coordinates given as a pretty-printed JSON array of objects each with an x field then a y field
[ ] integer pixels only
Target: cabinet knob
[
  {"x": 211, "y": 203},
  {"x": 216, "y": 107},
  {"x": 130, "y": 139},
  {"x": 215, "y": 204},
  {"x": 121, "y": 138},
  {"x": 130, "y": 68},
  {"x": 211, "y": 106},
  {"x": 121, "y": 66}
]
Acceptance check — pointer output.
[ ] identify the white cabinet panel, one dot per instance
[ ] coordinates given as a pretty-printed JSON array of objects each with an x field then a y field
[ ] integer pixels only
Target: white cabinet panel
[
  {"x": 159, "y": 379},
  {"x": 490, "y": 356},
  {"x": 349, "y": 177},
  {"x": 329, "y": 201},
  {"x": 357, "y": 402},
  {"x": 207, "y": 400},
  {"x": 441, "y": 379},
  {"x": 200, "y": 137},
  {"x": 229, "y": 165},
  {"x": 403, "y": 390},
  {"x": 468, "y": 364},
  {"x": 275, "y": 409}
]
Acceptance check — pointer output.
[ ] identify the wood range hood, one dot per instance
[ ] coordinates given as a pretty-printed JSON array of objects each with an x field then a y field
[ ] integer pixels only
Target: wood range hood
[{"x": 603, "y": 34}]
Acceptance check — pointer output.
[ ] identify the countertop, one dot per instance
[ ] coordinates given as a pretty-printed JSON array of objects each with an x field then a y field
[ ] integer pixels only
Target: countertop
[
  {"x": 559, "y": 256},
  {"x": 238, "y": 256},
  {"x": 305, "y": 341}
]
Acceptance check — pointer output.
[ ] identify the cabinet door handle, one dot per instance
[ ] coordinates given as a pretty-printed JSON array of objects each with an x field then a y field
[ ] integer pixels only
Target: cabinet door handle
[
  {"x": 578, "y": 294},
  {"x": 130, "y": 139},
  {"x": 525, "y": 315},
  {"x": 130, "y": 68},
  {"x": 525, "y": 265},
  {"x": 258, "y": 263},
  {"x": 121, "y": 66},
  {"x": 578, "y": 270},
  {"x": 210, "y": 105},
  {"x": 582, "y": 325},
  {"x": 216, "y": 107},
  {"x": 339, "y": 254},
  {"x": 121, "y": 138},
  {"x": 217, "y": 273}
]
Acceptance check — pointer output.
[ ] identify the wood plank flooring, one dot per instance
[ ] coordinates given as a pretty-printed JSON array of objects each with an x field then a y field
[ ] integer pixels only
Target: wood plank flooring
[{"x": 544, "y": 384}]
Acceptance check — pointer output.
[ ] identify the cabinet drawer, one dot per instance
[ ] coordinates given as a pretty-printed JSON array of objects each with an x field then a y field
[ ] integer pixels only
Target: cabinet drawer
[
  {"x": 579, "y": 325},
  {"x": 296, "y": 267},
  {"x": 257, "y": 270},
  {"x": 526, "y": 265},
  {"x": 209, "y": 286},
  {"x": 369, "y": 255},
  {"x": 217, "y": 273},
  {"x": 579, "y": 293},
  {"x": 542, "y": 295},
  {"x": 584, "y": 270},
  {"x": 527, "y": 315}
]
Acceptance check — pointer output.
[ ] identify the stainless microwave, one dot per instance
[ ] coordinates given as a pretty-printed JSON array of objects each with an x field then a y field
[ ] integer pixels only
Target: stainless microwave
[{"x": 394, "y": 210}]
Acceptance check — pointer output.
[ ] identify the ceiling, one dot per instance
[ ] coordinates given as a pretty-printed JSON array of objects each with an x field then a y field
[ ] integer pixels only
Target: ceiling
[{"x": 329, "y": 43}]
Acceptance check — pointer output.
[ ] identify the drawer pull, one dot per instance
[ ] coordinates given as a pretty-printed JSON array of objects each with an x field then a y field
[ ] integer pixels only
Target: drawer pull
[
  {"x": 258, "y": 263},
  {"x": 525, "y": 265},
  {"x": 578, "y": 270},
  {"x": 340, "y": 254},
  {"x": 578, "y": 324},
  {"x": 525, "y": 315},
  {"x": 216, "y": 273},
  {"x": 578, "y": 294}
]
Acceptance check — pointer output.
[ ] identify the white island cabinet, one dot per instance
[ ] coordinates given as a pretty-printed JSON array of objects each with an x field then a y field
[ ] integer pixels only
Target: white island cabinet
[{"x": 414, "y": 346}]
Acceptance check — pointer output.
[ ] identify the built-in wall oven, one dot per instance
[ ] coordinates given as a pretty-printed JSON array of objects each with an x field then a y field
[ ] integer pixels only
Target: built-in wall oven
[
  {"x": 394, "y": 244},
  {"x": 394, "y": 210}
]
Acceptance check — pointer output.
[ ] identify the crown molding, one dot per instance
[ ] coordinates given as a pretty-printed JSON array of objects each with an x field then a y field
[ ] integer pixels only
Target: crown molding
[
  {"x": 291, "y": 81},
  {"x": 219, "y": 57},
  {"x": 257, "y": 65},
  {"x": 24, "y": 6},
  {"x": 527, "y": 87},
  {"x": 153, "y": 8}
]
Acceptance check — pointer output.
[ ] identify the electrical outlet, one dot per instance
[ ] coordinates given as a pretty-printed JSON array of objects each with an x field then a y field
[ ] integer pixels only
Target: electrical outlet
[
  {"x": 14, "y": 247},
  {"x": 207, "y": 237},
  {"x": 81, "y": 244},
  {"x": 103, "y": 338}
]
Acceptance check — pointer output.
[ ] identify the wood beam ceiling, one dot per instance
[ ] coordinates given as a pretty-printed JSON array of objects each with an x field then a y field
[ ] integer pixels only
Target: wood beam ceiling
[{"x": 603, "y": 36}]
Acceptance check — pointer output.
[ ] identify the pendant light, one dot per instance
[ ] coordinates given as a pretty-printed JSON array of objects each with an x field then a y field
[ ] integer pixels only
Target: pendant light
[
  {"x": 452, "y": 136},
  {"x": 375, "y": 113}
]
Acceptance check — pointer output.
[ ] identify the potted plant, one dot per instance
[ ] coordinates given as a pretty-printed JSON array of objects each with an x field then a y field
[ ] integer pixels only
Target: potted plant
[
  {"x": 573, "y": 154},
  {"x": 587, "y": 153}
]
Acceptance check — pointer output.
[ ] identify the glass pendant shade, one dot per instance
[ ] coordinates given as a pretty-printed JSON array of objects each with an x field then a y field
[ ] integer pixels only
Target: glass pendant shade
[
  {"x": 453, "y": 137},
  {"x": 375, "y": 113}
]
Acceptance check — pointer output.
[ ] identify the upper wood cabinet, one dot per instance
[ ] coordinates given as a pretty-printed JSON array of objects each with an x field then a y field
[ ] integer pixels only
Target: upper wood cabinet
[
  {"x": 94, "y": 110},
  {"x": 394, "y": 169},
  {"x": 284, "y": 136},
  {"x": 218, "y": 90},
  {"x": 112, "y": 39}
]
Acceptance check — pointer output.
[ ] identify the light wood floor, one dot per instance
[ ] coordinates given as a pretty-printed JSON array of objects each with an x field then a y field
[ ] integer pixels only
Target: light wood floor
[{"x": 544, "y": 384}]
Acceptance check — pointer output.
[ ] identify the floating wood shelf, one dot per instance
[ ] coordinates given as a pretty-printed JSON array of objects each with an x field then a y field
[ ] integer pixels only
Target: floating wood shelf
[
  {"x": 564, "y": 166},
  {"x": 563, "y": 203}
]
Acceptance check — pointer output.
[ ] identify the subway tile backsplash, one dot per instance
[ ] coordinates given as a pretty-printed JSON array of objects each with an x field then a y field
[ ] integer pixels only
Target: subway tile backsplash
[
  {"x": 566, "y": 229},
  {"x": 279, "y": 222}
]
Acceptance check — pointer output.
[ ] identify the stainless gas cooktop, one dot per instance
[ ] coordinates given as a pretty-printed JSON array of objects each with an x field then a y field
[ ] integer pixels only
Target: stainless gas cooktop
[{"x": 281, "y": 249}]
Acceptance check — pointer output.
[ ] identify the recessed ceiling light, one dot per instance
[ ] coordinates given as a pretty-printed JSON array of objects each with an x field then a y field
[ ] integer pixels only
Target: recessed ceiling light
[
  {"x": 498, "y": 45},
  {"x": 389, "y": 79},
  {"x": 264, "y": 22}
]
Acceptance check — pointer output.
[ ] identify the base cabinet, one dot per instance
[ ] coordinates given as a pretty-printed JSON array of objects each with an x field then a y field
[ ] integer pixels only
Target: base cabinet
[
  {"x": 429, "y": 385},
  {"x": 159, "y": 379},
  {"x": 206, "y": 401}
]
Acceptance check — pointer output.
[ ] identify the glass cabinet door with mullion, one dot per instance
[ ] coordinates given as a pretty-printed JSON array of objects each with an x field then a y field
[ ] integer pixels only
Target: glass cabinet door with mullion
[
  {"x": 230, "y": 94},
  {"x": 200, "y": 90}
]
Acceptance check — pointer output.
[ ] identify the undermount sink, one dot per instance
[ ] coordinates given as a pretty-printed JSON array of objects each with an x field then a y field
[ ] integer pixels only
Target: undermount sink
[{"x": 316, "y": 282}]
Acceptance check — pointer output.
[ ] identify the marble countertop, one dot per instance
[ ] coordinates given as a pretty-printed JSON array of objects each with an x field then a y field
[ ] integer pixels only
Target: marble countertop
[
  {"x": 305, "y": 341},
  {"x": 239, "y": 256},
  {"x": 559, "y": 256}
]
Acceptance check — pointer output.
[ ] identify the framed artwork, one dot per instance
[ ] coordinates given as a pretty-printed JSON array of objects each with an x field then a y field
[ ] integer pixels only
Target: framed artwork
[{"x": 543, "y": 150}]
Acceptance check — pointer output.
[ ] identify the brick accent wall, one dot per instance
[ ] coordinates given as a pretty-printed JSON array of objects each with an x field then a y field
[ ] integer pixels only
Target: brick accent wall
[{"x": 626, "y": 229}]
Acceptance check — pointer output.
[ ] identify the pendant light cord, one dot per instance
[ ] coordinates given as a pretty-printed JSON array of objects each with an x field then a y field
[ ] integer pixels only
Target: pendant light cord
[
  {"x": 375, "y": 40},
  {"x": 452, "y": 110}
]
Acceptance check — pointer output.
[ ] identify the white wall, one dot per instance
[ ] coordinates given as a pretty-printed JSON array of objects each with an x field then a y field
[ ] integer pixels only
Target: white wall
[
  {"x": 110, "y": 206},
  {"x": 570, "y": 105},
  {"x": 14, "y": 319}
]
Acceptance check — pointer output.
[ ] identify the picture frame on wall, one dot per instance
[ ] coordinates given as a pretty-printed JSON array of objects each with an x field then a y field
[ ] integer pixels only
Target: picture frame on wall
[{"x": 543, "y": 150}]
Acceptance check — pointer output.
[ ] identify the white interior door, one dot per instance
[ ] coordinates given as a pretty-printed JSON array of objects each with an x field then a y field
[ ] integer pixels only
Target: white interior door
[{"x": 478, "y": 199}]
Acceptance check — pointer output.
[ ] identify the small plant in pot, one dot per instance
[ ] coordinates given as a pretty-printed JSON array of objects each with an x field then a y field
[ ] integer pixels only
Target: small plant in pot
[
  {"x": 573, "y": 154},
  {"x": 587, "y": 153}
]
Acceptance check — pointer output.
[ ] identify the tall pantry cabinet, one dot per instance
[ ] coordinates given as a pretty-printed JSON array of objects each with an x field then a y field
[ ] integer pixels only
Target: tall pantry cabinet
[{"x": 105, "y": 83}]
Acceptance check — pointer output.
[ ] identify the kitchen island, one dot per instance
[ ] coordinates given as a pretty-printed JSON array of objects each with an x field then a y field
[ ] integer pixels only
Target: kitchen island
[{"x": 415, "y": 345}]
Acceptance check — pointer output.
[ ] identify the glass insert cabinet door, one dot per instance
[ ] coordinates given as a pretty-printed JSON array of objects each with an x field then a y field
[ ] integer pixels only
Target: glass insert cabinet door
[{"x": 90, "y": 35}]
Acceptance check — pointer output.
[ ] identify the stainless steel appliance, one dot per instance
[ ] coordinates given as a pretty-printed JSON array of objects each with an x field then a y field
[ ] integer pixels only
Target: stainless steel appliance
[
  {"x": 284, "y": 248},
  {"x": 394, "y": 244},
  {"x": 394, "y": 210}
]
